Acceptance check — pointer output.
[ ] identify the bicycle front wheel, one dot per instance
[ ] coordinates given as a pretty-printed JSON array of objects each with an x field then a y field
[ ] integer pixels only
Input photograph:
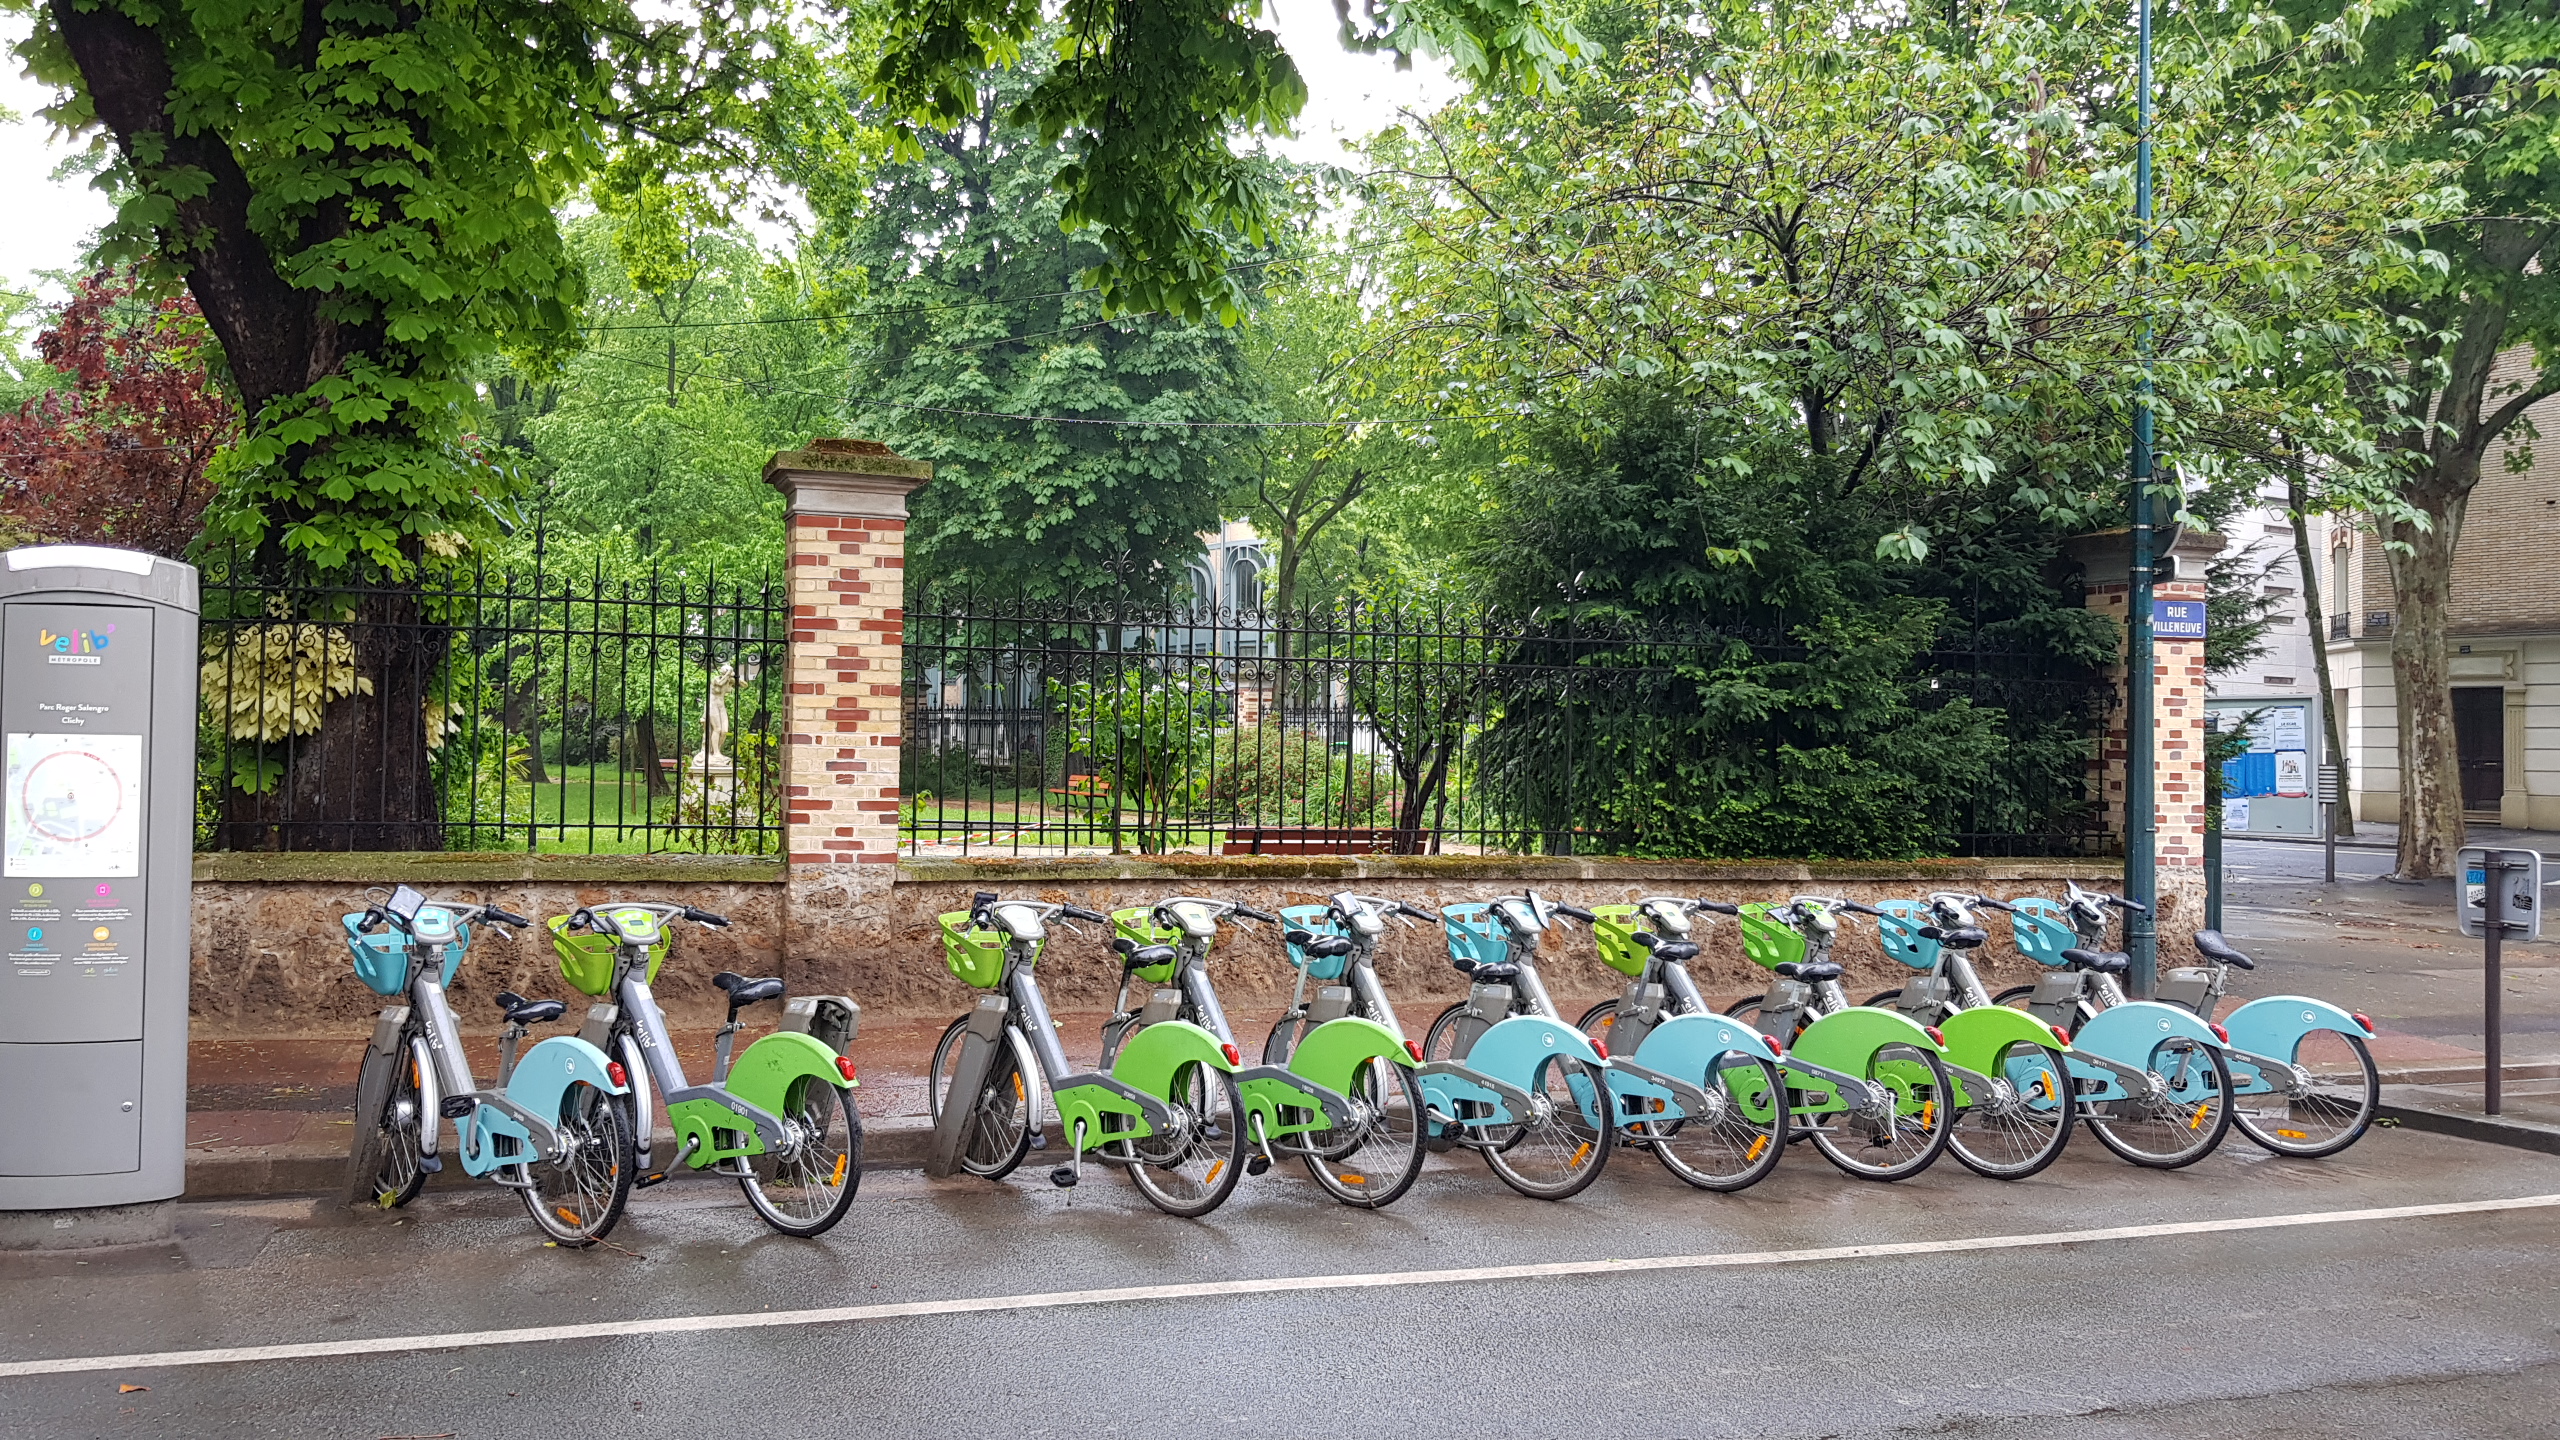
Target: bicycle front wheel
[
  {"x": 2323, "y": 1118},
  {"x": 1739, "y": 1138},
  {"x": 577, "y": 1198},
  {"x": 2180, "y": 1126},
  {"x": 1377, "y": 1161},
  {"x": 1001, "y": 1136},
  {"x": 1560, "y": 1147},
  {"x": 2020, "y": 1127},
  {"x": 805, "y": 1187},
  {"x": 1193, "y": 1170},
  {"x": 388, "y": 1166},
  {"x": 1908, "y": 1140}
]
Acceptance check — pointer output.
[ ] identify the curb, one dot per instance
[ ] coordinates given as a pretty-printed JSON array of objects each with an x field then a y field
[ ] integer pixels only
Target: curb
[
  {"x": 282, "y": 1170},
  {"x": 2489, "y": 1129}
]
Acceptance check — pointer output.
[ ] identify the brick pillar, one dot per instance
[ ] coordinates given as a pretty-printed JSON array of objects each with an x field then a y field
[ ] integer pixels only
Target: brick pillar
[
  {"x": 846, "y": 518},
  {"x": 2178, "y": 723}
]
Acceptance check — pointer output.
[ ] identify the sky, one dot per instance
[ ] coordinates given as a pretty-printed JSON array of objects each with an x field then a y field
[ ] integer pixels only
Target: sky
[{"x": 1349, "y": 96}]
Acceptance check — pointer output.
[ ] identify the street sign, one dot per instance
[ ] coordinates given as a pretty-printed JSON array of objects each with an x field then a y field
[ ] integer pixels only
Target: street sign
[
  {"x": 2518, "y": 884},
  {"x": 2177, "y": 619},
  {"x": 2328, "y": 784}
]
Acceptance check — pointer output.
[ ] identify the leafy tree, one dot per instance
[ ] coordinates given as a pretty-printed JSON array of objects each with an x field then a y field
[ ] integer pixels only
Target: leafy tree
[
  {"x": 122, "y": 446},
  {"x": 1157, "y": 729},
  {"x": 974, "y": 316}
]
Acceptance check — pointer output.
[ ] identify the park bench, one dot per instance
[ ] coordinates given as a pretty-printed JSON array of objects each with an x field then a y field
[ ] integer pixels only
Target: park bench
[{"x": 1330, "y": 840}]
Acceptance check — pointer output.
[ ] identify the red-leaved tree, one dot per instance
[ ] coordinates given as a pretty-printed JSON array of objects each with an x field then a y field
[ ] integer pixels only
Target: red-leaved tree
[{"x": 118, "y": 452}]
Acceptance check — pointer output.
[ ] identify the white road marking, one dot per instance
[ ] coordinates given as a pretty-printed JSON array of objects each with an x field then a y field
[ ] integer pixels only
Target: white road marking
[{"x": 1214, "y": 1289}]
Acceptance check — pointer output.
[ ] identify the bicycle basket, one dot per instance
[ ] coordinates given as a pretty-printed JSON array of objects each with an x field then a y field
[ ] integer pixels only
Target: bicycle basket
[
  {"x": 586, "y": 959},
  {"x": 1316, "y": 919},
  {"x": 1137, "y": 924},
  {"x": 382, "y": 958},
  {"x": 1769, "y": 943},
  {"x": 1899, "y": 930},
  {"x": 975, "y": 956},
  {"x": 1615, "y": 931},
  {"x": 1475, "y": 937},
  {"x": 2042, "y": 929}
]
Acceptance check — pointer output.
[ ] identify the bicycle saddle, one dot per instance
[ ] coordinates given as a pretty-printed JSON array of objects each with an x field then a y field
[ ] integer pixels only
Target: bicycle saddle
[
  {"x": 1674, "y": 952},
  {"x": 1811, "y": 972},
  {"x": 521, "y": 1011},
  {"x": 2105, "y": 962},
  {"x": 743, "y": 991},
  {"x": 1134, "y": 956},
  {"x": 1326, "y": 947},
  {"x": 1961, "y": 937},
  {"x": 2211, "y": 945}
]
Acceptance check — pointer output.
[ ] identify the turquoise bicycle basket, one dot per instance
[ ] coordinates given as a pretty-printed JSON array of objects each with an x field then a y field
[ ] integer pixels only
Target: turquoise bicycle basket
[
  {"x": 2042, "y": 929},
  {"x": 1899, "y": 929},
  {"x": 382, "y": 958},
  {"x": 1475, "y": 937},
  {"x": 1317, "y": 920}
]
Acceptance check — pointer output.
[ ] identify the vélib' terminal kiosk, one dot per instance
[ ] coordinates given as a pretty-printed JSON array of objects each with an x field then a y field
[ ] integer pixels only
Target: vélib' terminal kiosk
[{"x": 98, "y": 710}]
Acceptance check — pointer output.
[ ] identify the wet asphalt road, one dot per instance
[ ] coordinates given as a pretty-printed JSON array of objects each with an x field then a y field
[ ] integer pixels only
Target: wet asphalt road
[{"x": 2444, "y": 1326}]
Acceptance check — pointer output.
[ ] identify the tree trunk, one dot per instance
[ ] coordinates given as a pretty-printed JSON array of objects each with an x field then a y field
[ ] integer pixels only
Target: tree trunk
[
  {"x": 2342, "y": 816},
  {"x": 522, "y": 715},
  {"x": 645, "y": 735},
  {"x": 2431, "y": 825},
  {"x": 365, "y": 780}
]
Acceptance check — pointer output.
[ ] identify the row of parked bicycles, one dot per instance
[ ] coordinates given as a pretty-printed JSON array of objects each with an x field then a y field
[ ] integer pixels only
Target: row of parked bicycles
[{"x": 1882, "y": 1089}]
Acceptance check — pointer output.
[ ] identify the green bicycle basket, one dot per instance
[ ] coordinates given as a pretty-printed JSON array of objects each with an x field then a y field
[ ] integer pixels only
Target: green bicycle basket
[
  {"x": 975, "y": 956},
  {"x": 1138, "y": 924},
  {"x": 586, "y": 960},
  {"x": 1615, "y": 930},
  {"x": 1769, "y": 943}
]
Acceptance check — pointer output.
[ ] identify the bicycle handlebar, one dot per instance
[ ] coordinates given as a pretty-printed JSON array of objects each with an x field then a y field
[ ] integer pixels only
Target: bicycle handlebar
[
  {"x": 705, "y": 917},
  {"x": 1418, "y": 913},
  {"x": 2003, "y": 906},
  {"x": 1854, "y": 908},
  {"x": 1576, "y": 912},
  {"x": 2122, "y": 903},
  {"x": 1718, "y": 906},
  {"x": 505, "y": 917},
  {"x": 1076, "y": 912}
]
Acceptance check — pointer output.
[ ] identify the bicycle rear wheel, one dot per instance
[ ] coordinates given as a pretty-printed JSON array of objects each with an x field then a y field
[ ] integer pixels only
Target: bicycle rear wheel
[
  {"x": 1193, "y": 1171},
  {"x": 1738, "y": 1141},
  {"x": 2332, "y": 1114},
  {"x": 2020, "y": 1128},
  {"x": 577, "y": 1198},
  {"x": 388, "y": 1166},
  {"x": 805, "y": 1188},
  {"x": 1374, "y": 1165},
  {"x": 1002, "y": 1135},
  {"x": 2181, "y": 1127},
  {"x": 1557, "y": 1150},
  {"x": 1872, "y": 1149}
]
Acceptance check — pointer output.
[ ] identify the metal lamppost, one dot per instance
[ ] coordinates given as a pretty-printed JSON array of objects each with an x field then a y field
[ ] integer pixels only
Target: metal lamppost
[{"x": 2141, "y": 862}]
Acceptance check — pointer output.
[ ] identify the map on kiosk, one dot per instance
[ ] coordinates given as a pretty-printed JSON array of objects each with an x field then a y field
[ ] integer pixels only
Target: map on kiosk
[{"x": 75, "y": 805}]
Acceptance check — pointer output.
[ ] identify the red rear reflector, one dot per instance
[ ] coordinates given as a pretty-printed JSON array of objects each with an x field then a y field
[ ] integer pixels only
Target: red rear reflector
[
  {"x": 1772, "y": 1042},
  {"x": 1413, "y": 1050},
  {"x": 2060, "y": 1034},
  {"x": 2218, "y": 1032},
  {"x": 1935, "y": 1037},
  {"x": 613, "y": 1071},
  {"x": 1602, "y": 1046},
  {"x": 2367, "y": 1024},
  {"x": 1234, "y": 1056},
  {"x": 844, "y": 1066}
]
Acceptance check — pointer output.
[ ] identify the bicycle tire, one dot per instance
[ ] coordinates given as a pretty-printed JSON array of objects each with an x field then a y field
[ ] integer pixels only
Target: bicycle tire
[
  {"x": 2039, "y": 1123},
  {"x": 1577, "y": 1125},
  {"x": 1350, "y": 1170},
  {"x": 825, "y": 1164},
  {"x": 2124, "y": 1134},
  {"x": 387, "y": 1167},
  {"x": 1001, "y": 1138},
  {"x": 577, "y": 1199},
  {"x": 1282, "y": 1042},
  {"x": 1884, "y": 999},
  {"x": 1215, "y": 1141},
  {"x": 1929, "y": 1090},
  {"x": 1732, "y": 1149},
  {"x": 2295, "y": 1136}
]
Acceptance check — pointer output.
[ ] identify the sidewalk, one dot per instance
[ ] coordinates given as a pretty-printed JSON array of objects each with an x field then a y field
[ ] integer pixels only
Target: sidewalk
[{"x": 2384, "y": 835}]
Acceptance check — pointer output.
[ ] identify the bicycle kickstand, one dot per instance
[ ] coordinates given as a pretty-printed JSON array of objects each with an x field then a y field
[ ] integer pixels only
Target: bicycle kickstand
[
  {"x": 1066, "y": 1176},
  {"x": 1260, "y": 1161}
]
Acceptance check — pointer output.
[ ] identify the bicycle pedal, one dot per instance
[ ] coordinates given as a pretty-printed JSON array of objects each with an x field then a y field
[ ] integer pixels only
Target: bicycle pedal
[
  {"x": 645, "y": 1181},
  {"x": 1064, "y": 1177},
  {"x": 455, "y": 1107},
  {"x": 1257, "y": 1165}
]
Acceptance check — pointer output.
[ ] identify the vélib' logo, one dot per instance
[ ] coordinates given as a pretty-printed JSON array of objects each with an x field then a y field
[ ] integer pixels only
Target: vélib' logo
[{"x": 76, "y": 642}]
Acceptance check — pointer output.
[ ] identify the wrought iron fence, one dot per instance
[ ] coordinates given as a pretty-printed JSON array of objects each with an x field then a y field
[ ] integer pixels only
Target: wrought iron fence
[
  {"x": 1063, "y": 727},
  {"x": 527, "y": 710}
]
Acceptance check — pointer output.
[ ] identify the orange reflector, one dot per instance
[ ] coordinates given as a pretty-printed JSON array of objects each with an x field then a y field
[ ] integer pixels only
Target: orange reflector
[
  {"x": 2049, "y": 1090},
  {"x": 1928, "y": 1113},
  {"x": 838, "y": 1177},
  {"x": 1581, "y": 1153},
  {"x": 1214, "y": 1172},
  {"x": 1759, "y": 1143},
  {"x": 2196, "y": 1121},
  {"x": 2293, "y": 1135},
  {"x": 1355, "y": 1179},
  {"x": 567, "y": 1214}
]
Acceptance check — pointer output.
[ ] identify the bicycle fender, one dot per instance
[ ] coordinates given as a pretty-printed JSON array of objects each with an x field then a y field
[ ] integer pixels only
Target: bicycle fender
[
  {"x": 546, "y": 1072},
  {"x": 2127, "y": 1034},
  {"x": 1846, "y": 1040},
  {"x": 2274, "y": 1025},
  {"x": 764, "y": 1075},
  {"x": 1519, "y": 1049},
  {"x": 1976, "y": 1037},
  {"x": 1151, "y": 1057},
  {"x": 1685, "y": 1047},
  {"x": 1333, "y": 1052}
]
